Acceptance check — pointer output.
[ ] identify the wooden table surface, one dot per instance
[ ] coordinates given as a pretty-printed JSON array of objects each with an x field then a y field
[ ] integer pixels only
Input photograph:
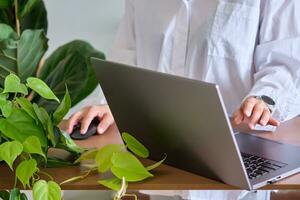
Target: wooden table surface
[{"x": 166, "y": 177}]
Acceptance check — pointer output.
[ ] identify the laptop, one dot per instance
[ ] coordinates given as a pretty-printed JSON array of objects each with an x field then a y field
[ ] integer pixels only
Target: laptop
[{"x": 187, "y": 120}]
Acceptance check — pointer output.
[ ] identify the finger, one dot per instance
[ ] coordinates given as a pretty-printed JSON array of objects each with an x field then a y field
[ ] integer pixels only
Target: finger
[
  {"x": 88, "y": 116},
  {"x": 256, "y": 115},
  {"x": 238, "y": 117},
  {"x": 273, "y": 122},
  {"x": 248, "y": 106},
  {"x": 265, "y": 117},
  {"x": 106, "y": 121},
  {"x": 74, "y": 119}
]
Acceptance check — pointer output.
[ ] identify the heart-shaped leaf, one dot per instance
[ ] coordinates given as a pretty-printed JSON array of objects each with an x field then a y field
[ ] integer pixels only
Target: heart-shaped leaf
[
  {"x": 135, "y": 146},
  {"x": 6, "y": 107},
  {"x": 128, "y": 166},
  {"x": 68, "y": 144},
  {"x": 19, "y": 126},
  {"x": 62, "y": 109},
  {"x": 41, "y": 88},
  {"x": 104, "y": 156},
  {"x": 113, "y": 184},
  {"x": 12, "y": 84},
  {"x": 88, "y": 155},
  {"x": 25, "y": 170},
  {"x": 32, "y": 145},
  {"x": 26, "y": 105},
  {"x": 46, "y": 191},
  {"x": 9, "y": 151}
]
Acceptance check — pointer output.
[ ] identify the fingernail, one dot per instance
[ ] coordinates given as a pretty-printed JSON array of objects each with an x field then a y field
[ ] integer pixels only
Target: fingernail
[
  {"x": 82, "y": 131},
  {"x": 248, "y": 114},
  {"x": 101, "y": 130}
]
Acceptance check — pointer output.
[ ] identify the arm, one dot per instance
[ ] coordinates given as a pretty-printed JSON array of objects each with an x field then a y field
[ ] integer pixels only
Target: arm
[
  {"x": 123, "y": 51},
  {"x": 277, "y": 65}
]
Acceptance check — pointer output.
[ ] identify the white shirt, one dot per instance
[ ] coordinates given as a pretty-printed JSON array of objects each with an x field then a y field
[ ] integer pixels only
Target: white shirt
[{"x": 247, "y": 47}]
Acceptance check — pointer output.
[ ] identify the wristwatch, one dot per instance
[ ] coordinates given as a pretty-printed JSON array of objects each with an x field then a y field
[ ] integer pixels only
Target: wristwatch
[{"x": 268, "y": 101}]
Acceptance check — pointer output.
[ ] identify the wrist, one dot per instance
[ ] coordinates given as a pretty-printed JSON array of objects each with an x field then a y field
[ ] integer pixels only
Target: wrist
[{"x": 269, "y": 102}]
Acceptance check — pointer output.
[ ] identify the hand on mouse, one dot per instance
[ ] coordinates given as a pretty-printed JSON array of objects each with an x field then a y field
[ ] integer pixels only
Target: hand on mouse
[
  {"x": 254, "y": 111},
  {"x": 86, "y": 115}
]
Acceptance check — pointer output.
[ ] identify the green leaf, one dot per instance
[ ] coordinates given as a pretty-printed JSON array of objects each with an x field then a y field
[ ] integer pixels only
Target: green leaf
[
  {"x": 50, "y": 132},
  {"x": 70, "y": 65},
  {"x": 31, "y": 48},
  {"x": 19, "y": 126},
  {"x": 30, "y": 4},
  {"x": 41, "y": 88},
  {"x": 135, "y": 146},
  {"x": 104, "y": 156},
  {"x": 12, "y": 84},
  {"x": 32, "y": 145},
  {"x": 21, "y": 56},
  {"x": 36, "y": 18},
  {"x": 46, "y": 191},
  {"x": 62, "y": 109},
  {"x": 46, "y": 121},
  {"x": 9, "y": 151},
  {"x": 25, "y": 170},
  {"x": 155, "y": 165},
  {"x": 128, "y": 166},
  {"x": 113, "y": 184},
  {"x": 14, "y": 194},
  {"x": 5, "y": 3},
  {"x": 6, "y": 32},
  {"x": 4, "y": 195},
  {"x": 40, "y": 113},
  {"x": 88, "y": 155},
  {"x": 6, "y": 107},
  {"x": 68, "y": 144},
  {"x": 23, "y": 196},
  {"x": 57, "y": 162},
  {"x": 26, "y": 105}
]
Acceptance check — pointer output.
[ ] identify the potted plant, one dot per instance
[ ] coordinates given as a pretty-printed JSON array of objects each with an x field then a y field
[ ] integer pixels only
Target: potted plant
[
  {"x": 28, "y": 131},
  {"x": 23, "y": 43},
  {"x": 34, "y": 98}
]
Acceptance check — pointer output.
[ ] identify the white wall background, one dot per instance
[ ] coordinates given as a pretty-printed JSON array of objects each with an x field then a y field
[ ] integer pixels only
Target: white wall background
[{"x": 95, "y": 21}]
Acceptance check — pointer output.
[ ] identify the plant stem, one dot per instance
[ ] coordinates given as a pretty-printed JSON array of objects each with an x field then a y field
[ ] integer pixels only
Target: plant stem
[
  {"x": 45, "y": 173},
  {"x": 76, "y": 178},
  {"x": 17, "y": 18}
]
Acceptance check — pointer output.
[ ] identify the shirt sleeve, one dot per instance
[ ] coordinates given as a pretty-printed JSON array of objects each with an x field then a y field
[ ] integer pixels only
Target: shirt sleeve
[
  {"x": 277, "y": 57},
  {"x": 124, "y": 47}
]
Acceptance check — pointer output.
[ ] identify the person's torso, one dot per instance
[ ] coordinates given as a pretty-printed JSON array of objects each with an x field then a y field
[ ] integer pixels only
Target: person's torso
[{"x": 208, "y": 40}]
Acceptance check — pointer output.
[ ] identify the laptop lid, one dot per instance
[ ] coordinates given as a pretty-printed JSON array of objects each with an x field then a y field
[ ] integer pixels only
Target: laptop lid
[{"x": 183, "y": 118}]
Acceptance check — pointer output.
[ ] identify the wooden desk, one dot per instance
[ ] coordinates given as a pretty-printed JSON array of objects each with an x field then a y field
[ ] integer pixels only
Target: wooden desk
[{"x": 166, "y": 177}]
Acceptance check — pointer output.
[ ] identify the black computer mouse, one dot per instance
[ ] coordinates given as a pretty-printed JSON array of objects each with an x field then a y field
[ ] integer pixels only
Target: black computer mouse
[{"x": 92, "y": 130}]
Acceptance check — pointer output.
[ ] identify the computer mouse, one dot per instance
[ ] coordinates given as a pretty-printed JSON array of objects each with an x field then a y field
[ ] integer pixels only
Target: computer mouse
[{"x": 92, "y": 130}]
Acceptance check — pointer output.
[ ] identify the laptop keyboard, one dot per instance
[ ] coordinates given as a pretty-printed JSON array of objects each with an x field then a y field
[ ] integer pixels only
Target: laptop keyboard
[{"x": 257, "y": 166}]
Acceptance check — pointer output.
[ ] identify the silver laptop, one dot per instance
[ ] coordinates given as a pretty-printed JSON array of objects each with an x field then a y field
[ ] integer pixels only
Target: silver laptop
[{"x": 186, "y": 119}]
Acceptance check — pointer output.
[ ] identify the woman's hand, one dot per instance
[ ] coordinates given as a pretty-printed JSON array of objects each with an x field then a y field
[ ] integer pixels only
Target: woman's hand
[
  {"x": 254, "y": 111},
  {"x": 85, "y": 117}
]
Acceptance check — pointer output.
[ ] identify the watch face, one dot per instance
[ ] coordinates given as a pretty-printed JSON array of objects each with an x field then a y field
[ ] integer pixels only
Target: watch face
[{"x": 268, "y": 100}]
